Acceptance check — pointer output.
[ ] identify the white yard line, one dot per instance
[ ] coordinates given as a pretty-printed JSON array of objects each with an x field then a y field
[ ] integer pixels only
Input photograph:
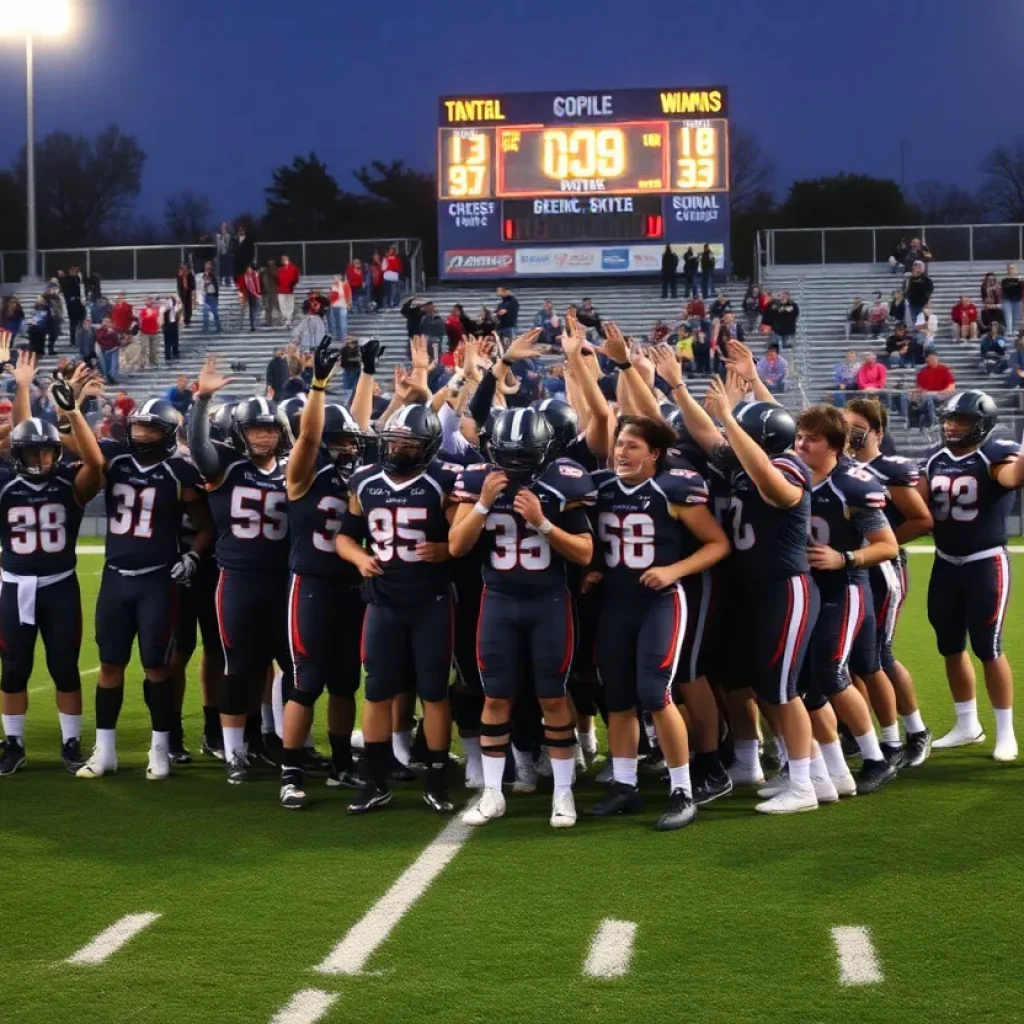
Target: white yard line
[
  {"x": 113, "y": 938},
  {"x": 89, "y": 549},
  {"x": 370, "y": 932},
  {"x": 49, "y": 686},
  {"x": 858, "y": 962},
  {"x": 611, "y": 949},
  {"x": 305, "y": 1007}
]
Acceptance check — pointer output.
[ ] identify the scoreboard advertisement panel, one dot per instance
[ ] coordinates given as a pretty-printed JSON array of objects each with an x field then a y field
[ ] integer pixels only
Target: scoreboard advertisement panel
[{"x": 557, "y": 183}]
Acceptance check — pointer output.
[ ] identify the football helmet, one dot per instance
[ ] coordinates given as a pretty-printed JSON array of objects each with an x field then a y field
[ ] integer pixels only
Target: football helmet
[
  {"x": 977, "y": 406},
  {"x": 261, "y": 412},
  {"x": 222, "y": 424},
  {"x": 565, "y": 423},
  {"x": 33, "y": 436},
  {"x": 769, "y": 424},
  {"x": 155, "y": 412},
  {"x": 522, "y": 444},
  {"x": 410, "y": 439},
  {"x": 292, "y": 409},
  {"x": 342, "y": 439}
]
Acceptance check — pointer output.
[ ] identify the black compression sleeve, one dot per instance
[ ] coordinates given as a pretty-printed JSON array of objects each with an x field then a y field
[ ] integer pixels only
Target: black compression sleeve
[
  {"x": 483, "y": 398},
  {"x": 204, "y": 454}
]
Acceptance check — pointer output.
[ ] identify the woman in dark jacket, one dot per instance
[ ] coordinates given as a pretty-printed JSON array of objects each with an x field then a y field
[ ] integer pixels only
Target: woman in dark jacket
[
  {"x": 690, "y": 264},
  {"x": 186, "y": 291},
  {"x": 707, "y": 269},
  {"x": 669, "y": 266}
]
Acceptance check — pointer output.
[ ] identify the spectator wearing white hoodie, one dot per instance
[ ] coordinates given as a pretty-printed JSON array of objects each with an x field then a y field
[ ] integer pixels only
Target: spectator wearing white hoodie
[{"x": 341, "y": 303}]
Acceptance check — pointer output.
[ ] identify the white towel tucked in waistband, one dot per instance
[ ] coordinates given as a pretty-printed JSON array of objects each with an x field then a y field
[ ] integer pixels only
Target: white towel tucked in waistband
[{"x": 27, "y": 587}]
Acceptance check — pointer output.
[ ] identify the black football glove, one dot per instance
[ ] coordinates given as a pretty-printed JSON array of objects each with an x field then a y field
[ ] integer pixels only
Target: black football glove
[
  {"x": 183, "y": 571},
  {"x": 370, "y": 352},
  {"x": 324, "y": 361},
  {"x": 63, "y": 395}
]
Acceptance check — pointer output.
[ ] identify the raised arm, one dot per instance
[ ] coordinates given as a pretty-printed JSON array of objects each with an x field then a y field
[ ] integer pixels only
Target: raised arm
[
  {"x": 204, "y": 454},
  {"x": 641, "y": 397},
  {"x": 600, "y": 420},
  {"x": 741, "y": 359},
  {"x": 370, "y": 353},
  {"x": 24, "y": 374},
  {"x": 301, "y": 469},
  {"x": 90, "y": 473}
]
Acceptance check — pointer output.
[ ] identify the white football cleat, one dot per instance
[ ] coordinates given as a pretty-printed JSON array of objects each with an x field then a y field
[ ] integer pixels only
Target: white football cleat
[
  {"x": 961, "y": 736},
  {"x": 796, "y": 798},
  {"x": 742, "y": 776},
  {"x": 95, "y": 768},
  {"x": 491, "y": 805},
  {"x": 543, "y": 763},
  {"x": 775, "y": 786},
  {"x": 825, "y": 790},
  {"x": 606, "y": 776},
  {"x": 846, "y": 785},
  {"x": 1006, "y": 749},
  {"x": 526, "y": 778},
  {"x": 563, "y": 809},
  {"x": 159, "y": 766}
]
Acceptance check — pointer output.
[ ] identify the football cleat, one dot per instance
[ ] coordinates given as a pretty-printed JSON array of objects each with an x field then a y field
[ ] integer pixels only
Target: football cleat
[
  {"x": 825, "y": 790},
  {"x": 621, "y": 798},
  {"x": 369, "y": 798},
  {"x": 961, "y": 736},
  {"x": 526, "y": 778},
  {"x": 437, "y": 800},
  {"x": 563, "y": 809},
  {"x": 358, "y": 743},
  {"x": 746, "y": 776},
  {"x": 1006, "y": 749},
  {"x": 347, "y": 779},
  {"x": 269, "y": 749},
  {"x": 491, "y": 805},
  {"x": 179, "y": 753},
  {"x": 293, "y": 798},
  {"x": 159, "y": 766},
  {"x": 314, "y": 763},
  {"x": 543, "y": 764},
  {"x": 916, "y": 748},
  {"x": 681, "y": 812},
  {"x": 873, "y": 776},
  {"x": 400, "y": 772},
  {"x": 13, "y": 758},
  {"x": 893, "y": 754},
  {"x": 846, "y": 785},
  {"x": 711, "y": 787},
  {"x": 606, "y": 775},
  {"x": 792, "y": 800},
  {"x": 238, "y": 770},
  {"x": 71, "y": 755},
  {"x": 96, "y": 768},
  {"x": 775, "y": 786},
  {"x": 212, "y": 746}
]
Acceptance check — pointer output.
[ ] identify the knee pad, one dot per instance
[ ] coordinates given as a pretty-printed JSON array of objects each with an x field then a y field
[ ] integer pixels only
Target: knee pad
[
  {"x": 236, "y": 695},
  {"x": 12, "y": 681},
  {"x": 307, "y": 698},
  {"x": 466, "y": 708},
  {"x": 814, "y": 701},
  {"x": 68, "y": 682}
]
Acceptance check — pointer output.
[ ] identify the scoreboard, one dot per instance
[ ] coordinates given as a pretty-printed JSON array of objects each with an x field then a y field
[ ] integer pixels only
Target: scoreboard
[{"x": 549, "y": 183}]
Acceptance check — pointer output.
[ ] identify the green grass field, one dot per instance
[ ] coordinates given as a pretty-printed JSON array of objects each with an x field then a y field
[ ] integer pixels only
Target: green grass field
[{"x": 733, "y": 915}]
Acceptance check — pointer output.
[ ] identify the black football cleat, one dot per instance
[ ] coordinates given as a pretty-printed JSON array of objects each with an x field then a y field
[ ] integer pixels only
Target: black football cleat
[
  {"x": 238, "y": 770},
  {"x": 314, "y": 763},
  {"x": 848, "y": 742},
  {"x": 14, "y": 757},
  {"x": 180, "y": 754},
  {"x": 293, "y": 798},
  {"x": 269, "y": 749},
  {"x": 437, "y": 800},
  {"x": 916, "y": 749},
  {"x": 349, "y": 778},
  {"x": 711, "y": 787},
  {"x": 873, "y": 776},
  {"x": 681, "y": 811},
  {"x": 400, "y": 772},
  {"x": 621, "y": 799},
  {"x": 72, "y": 756},
  {"x": 212, "y": 746},
  {"x": 369, "y": 798},
  {"x": 893, "y": 754}
]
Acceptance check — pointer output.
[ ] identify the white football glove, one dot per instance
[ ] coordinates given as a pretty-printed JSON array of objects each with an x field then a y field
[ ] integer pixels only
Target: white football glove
[{"x": 183, "y": 571}]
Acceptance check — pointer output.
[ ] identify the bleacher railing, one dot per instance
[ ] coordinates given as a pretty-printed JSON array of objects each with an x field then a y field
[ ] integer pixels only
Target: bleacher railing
[
  {"x": 161, "y": 262},
  {"x": 952, "y": 242}
]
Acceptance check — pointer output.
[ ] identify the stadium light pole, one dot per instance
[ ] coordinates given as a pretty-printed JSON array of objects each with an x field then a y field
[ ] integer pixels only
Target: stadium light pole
[{"x": 28, "y": 19}]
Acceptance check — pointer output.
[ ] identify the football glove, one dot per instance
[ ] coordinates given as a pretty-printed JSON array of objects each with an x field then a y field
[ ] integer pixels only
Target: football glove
[
  {"x": 324, "y": 361},
  {"x": 63, "y": 395},
  {"x": 183, "y": 571},
  {"x": 370, "y": 351}
]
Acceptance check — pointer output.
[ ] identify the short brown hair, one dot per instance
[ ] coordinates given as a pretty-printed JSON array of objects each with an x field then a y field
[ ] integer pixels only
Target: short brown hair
[
  {"x": 869, "y": 409},
  {"x": 656, "y": 435},
  {"x": 824, "y": 421}
]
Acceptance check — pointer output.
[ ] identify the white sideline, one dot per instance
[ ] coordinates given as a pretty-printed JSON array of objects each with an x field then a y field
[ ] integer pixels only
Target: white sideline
[
  {"x": 611, "y": 949},
  {"x": 305, "y": 1007},
  {"x": 858, "y": 962},
  {"x": 112, "y": 939},
  {"x": 368, "y": 933}
]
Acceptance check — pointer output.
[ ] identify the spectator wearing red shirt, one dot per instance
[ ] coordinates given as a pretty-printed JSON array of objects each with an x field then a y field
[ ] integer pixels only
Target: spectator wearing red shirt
[
  {"x": 356, "y": 278},
  {"x": 253, "y": 295},
  {"x": 122, "y": 315},
  {"x": 391, "y": 268},
  {"x": 150, "y": 324},
  {"x": 935, "y": 383},
  {"x": 287, "y": 280},
  {"x": 965, "y": 319},
  {"x": 123, "y": 405},
  {"x": 872, "y": 375},
  {"x": 108, "y": 349},
  {"x": 455, "y": 327},
  {"x": 375, "y": 281}
]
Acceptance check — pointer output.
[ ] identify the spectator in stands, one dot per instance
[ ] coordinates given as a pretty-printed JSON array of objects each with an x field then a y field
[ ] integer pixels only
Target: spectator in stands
[
  {"x": 993, "y": 349},
  {"x": 659, "y": 332},
  {"x": 150, "y": 325},
  {"x": 210, "y": 288},
  {"x": 271, "y": 293},
  {"x": 919, "y": 290},
  {"x": 123, "y": 404},
  {"x": 39, "y": 327},
  {"x": 486, "y": 323},
  {"x": 52, "y": 298},
  {"x": 13, "y": 316},
  {"x": 100, "y": 308},
  {"x": 898, "y": 259},
  {"x": 351, "y": 365},
  {"x": 721, "y": 306},
  {"x": 965, "y": 320},
  {"x": 316, "y": 304},
  {"x": 413, "y": 309},
  {"x": 871, "y": 377},
  {"x": 224, "y": 242},
  {"x": 554, "y": 381},
  {"x": 767, "y": 303},
  {"x": 253, "y": 294},
  {"x": 935, "y": 383},
  {"x": 1011, "y": 289},
  {"x": 772, "y": 369},
  {"x": 356, "y": 278},
  {"x": 925, "y": 328},
  {"x": 695, "y": 311},
  {"x": 701, "y": 353},
  {"x": 391, "y": 267},
  {"x": 784, "y": 320},
  {"x": 72, "y": 288},
  {"x": 1015, "y": 376},
  {"x": 857, "y": 318},
  {"x": 878, "y": 314},
  {"x": 186, "y": 291},
  {"x": 42, "y": 405},
  {"x": 707, "y": 270},
  {"x": 752, "y": 306},
  {"x": 690, "y": 266},
  {"x": 122, "y": 315},
  {"x": 589, "y": 317},
  {"x": 375, "y": 282},
  {"x": 898, "y": 308},
  {"x": 669, "y": 267},
  {"x": 277, "y": 373},
  {"x": 287, "y": 281},
  {"x": 243, "y": 255},
  {"x": 108, "y": 349},
  {"x": 897, "y": 347},
  {"x": 507, "y": 313},
  {"x": 180, "y": 395},
  {"x": 845, "y": 377},
  {"x": 172, "y": 329},
  {"x": 93, "y": 286},
  {"x": 684, "y": 350},
  {"x": 991, "y": 300},
  {"x": 433, "y": 328},
  {"x": 341, "y": 300},
  {"x": 86, "y": 338},
  {"x": 549, "y": 322},
  {"x": 458, "y": 327}
]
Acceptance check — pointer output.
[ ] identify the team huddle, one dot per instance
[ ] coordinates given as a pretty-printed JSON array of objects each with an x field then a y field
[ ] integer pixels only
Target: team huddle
[{"x": 695, "y": 574}]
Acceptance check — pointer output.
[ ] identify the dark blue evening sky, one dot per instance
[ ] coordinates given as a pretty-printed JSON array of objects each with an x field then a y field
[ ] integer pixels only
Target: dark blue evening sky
[{"x": 220, "y": 92}]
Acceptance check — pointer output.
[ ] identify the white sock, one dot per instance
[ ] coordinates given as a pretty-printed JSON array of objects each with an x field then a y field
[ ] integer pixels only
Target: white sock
[
  {"x": 800, "y": 771},
  {"x": 106, "y": 745},
  {"x": 523, "y": 758},
  {"x": 1004, "y": 722},
  {"x": 891, "y": 733},
  {"x": 277, "y": 702},
  {"x": 783, "y": 753},
  {"x": 160, "y": 739},
  {"x": 14, "y": 727},
  {"x": 679, "y": 778},
  {"x": 234, "y": 741},
  {"x": 70, "y": 726},
  {"x": 746, "y": 754},
  {"x": 869, "y": 748},
  {"x": 913, "y": 722},
  {"x": 267, "y": 717},
  {"x": 471, "y": 745},
  {"x": 819, "y": 770},
  {"x": 494, "y": 772},
  {"x": 563, "y": 770},
  {"x": 966, "y": 712},
  {"x": 588, "y": 742},
  {"x": 833, "y": 755},
  {"x": 401, "y": 745},
  {"x": 624, "y": 770}
]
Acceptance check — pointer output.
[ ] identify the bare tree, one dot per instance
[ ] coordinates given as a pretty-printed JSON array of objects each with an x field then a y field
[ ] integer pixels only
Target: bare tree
[
  {"x": 187, "y": 215},
  {"x": 938, "y": 202},
  {"x": 751, "y": 173},
  {"x": 1003, "y": 189}
]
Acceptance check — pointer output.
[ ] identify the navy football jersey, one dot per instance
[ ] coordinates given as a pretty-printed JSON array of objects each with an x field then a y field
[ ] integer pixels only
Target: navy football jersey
[
  {"x": 144, "y": 507},
  {"x": 579, "y": 451},
  {"x": 515, "y": 557},
  {"x": 314, "y": 520},
  {"x": 845, "y": 507},
  {"x": 636, "y": 529},
  {"x": 398, "y": 517},
  {"x": 250, "y": 513},
  {"x": 768, "y": 543},
  {"x": 39, "y": 522},
  {"x": 893, "y": 471},
  {"x": 968, "y": 506}
]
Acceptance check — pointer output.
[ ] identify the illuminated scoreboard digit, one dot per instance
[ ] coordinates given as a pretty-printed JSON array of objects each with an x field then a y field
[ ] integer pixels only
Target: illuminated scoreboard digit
[
  {"x": 701, "y": 156},
  {"x": 465, "y": 171}
]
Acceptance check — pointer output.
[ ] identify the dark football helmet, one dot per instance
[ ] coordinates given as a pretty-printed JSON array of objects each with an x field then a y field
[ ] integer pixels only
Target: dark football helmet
[
  {"x": 770, "y": 425},
  {"x": 342, "y": 440},
  {"x": 565, "y": 423},
  {"x": 973, "y": 405},
  {"x": 292, "y": 409},
  {"x": 155, "y": 412},
  {"x": 261, "y": 412},
  {"x": 222, "y": 424},
  {"x": 522, "y": 444},
  {"x": 673, "y": 416},
  {"x": 410, "y": 439},
  {"x": 35, "y": 435}
]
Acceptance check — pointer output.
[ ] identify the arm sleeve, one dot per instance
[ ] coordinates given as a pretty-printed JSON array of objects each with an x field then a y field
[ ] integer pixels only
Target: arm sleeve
[
  {"x": 354, "y": 526},
  {"x": 483, "y": 398},
  {"x": 204, "y": 454}
]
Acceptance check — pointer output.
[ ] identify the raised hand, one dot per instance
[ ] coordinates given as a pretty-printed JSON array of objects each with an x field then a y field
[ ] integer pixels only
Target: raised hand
[
  {"x": 370, "y": 353},
  {"x": 572, "y": 342},
  {"x": 324, "y": 361},
  {"x": 643, "y": 364},
  {"x": 420, "y": 352},
  {"x": 615, "y": 344},
  {"x": 666, "y": 365},
  {"x": 25, "y": 368},
  {"x": 741, "y": 359},
  {"x": 93, "y": 387},
  {"x": 5, "y": 345},
  {"x": 523, "y": 347},
  {"x": 717, "y": 402},
  {"x": 63, "y": 395},
  {"x": 210, "y": 379}
]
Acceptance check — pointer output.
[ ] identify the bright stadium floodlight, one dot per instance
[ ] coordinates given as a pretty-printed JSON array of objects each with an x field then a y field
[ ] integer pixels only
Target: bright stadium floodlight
[{"x": 28, "y": 19}]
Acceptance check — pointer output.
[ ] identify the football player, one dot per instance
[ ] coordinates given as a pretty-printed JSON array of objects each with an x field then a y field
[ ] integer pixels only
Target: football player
[
  {"x": 909, "y": 517},
  {"x": 249, "y": 507},
  {"x": 967, "y": 482},
  {"x": 654, "y": 529},
  {"x": 325, "y": 609},
  {"x": 403, "y": 506},
  {"x": 529, "y": 513},
  {"x": 41, "y": 506}
]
